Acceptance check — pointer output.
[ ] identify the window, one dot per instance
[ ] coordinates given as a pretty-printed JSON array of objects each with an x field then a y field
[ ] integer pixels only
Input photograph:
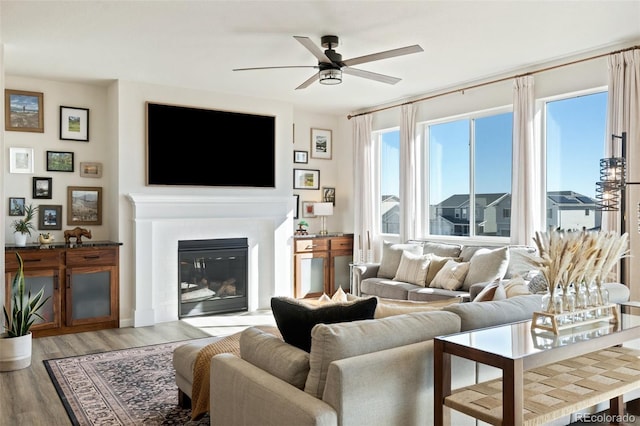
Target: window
[
  {"x": 575, "y": 133},
  {"x": 506, "y": 213},
  {"x": 470, "y": 164},
  {"x": 389, "y": 142}
]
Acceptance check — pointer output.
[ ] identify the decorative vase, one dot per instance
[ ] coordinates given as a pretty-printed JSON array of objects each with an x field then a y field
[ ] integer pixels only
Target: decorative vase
[
  {"x": 15, "y": 352},
  {"x": 20, "y": 239}
]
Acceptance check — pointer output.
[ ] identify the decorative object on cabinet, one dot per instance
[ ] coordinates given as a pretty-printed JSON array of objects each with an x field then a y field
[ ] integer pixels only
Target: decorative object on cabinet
[
  {"x": 23, "y": 111},
  {"x": 42, "y": 188},
  {"x": 23, "y": 310},
  {"x": 302, "y": 228},
  {"x": 321, "y": 264},
  {"x": 20, "y": 160},
  {"x": 307, "y": 209},
  {"x": 296, "y": 207},
  {"x": 58, "y": 161},
  {"x": 84, "y": 205},
  {"x": 76, "y": 233},
  {"x": 306, "y": 179},
  {"x": 323, "y": 210},
  {"x": 50, "y": 217},
  {"x": 46, "y": 238},
  {"x": 81, "y": 280},
  {"x": 321, "y": 144},
  {"x": 91, "y": 169},
  {"x": 74, "y": 124},
  {"x": 300, "y": 157},
  {"x": 16, "y": 206},
  {"x": 23, "y": 227},
  {"x": 329, "y": 195}
]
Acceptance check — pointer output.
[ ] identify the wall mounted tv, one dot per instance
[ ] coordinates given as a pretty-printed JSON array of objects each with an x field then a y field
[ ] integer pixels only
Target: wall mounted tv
[{"x": 202, "y": 147}]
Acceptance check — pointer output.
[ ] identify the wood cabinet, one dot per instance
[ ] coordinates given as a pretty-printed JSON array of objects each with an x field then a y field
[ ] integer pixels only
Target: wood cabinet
[
  {"x": 82, "y": 282},
  {"x": 321, "y": 264}
]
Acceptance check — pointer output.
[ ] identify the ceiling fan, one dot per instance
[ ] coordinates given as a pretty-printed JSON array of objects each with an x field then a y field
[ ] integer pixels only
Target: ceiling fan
[{"x": 332, "y": 66}]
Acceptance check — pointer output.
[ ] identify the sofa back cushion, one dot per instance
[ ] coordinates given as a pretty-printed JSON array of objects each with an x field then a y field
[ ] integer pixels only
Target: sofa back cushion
[
  {"x": 442, "y": 249},
  {"x": 391, "y": 255},
  {"x": 519, "y": 263},
  {"x": 487, "y": 266},
  {"x": 330, "y": 342},
  {"x": 271, "y": 354},
  {"x": 489, "y": 314}
]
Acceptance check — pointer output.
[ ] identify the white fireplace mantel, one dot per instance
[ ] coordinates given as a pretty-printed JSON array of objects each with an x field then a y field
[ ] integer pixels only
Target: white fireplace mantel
[{"x": 160, "y": 221}]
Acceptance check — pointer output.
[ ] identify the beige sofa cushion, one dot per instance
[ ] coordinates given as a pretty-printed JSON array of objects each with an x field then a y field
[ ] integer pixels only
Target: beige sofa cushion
[
  {"x": 489, "y": 314},
  {"x": 451, "y": 276},
  {"x": 487, "y": 265},
  {"x": 391, "y": 255},
  {"x": 413, "y": 268},
  {"x": 330, "y": 342}
]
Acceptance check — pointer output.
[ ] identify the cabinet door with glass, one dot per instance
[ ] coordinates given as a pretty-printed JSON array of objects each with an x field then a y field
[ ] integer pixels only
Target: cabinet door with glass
[{"x": 311, "y": 267}]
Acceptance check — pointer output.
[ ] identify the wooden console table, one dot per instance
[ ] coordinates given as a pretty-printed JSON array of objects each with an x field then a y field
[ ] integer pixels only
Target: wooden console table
[{"x": 523, "y": 354}]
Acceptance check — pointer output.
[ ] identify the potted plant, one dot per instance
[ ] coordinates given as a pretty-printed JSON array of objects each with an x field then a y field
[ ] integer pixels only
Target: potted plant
[
  {"x": 23, "y": 227},
  {"x": 15, "y": 344}
]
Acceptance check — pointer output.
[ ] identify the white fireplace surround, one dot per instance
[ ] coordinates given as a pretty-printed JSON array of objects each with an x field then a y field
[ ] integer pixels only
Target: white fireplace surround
[{"x": 160, "y": 221}]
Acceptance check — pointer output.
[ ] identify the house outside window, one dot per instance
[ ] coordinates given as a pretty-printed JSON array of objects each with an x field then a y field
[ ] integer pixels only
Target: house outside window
[{"x": 389, "y": 145}]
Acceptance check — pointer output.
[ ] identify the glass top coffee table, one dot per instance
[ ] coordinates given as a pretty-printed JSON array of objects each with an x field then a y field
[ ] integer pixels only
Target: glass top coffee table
[{"x": 517, "y": 350}]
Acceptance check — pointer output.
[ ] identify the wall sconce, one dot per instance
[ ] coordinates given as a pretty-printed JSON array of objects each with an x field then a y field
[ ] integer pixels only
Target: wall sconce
[
  {"x": 323, "y": 210},
  {"x": 612, "y": 178}
]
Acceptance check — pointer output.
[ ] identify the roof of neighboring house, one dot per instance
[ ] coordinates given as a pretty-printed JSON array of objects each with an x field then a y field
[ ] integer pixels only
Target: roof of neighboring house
[
  {"x": 460, "y": 200},
  {"x": 389, "y": 202},
  {"x": 570, "y": 198}
]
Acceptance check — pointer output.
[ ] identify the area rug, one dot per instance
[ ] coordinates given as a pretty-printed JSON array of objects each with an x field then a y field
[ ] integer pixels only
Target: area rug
[{"x": 125, "y": 387}]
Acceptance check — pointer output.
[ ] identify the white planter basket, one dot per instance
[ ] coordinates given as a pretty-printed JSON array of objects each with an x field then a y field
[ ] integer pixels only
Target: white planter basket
[
  {"x": 20, "y": 239},
  {"x": 15, "y": 352}
]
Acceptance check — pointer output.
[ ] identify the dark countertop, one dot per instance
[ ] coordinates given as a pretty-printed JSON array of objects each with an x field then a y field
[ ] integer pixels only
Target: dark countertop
[
  {"x": 54, "y": 245},
  {"x": 330, "y": 234}
]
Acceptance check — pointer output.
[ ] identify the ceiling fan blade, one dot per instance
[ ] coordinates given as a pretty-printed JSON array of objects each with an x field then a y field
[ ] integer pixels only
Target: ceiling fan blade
[
  {"x": 371, "y": 75},
  {"x": 315, "y": 50},
  {"x": 273, "y": 68},
  {"x": 384, "y": 55},
  {"x": 308, "y": 82}
]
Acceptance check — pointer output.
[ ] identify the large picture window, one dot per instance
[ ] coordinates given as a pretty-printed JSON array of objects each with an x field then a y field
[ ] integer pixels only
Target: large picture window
[{"x": 389, "y": 143}]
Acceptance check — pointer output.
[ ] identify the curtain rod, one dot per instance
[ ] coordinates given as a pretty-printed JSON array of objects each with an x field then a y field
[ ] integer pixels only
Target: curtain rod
[{"x": 499, "y": 80}]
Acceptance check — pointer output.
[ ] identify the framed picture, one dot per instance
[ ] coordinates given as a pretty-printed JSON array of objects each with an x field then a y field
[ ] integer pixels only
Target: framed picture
[
  {"x": 306, "y": 179},
  {"x": 50, "y": 217},
  {"x": 321, "y": 144},
  {"x": 58, "y": 161},
  {"x": 307, "y": 209},
  {"x": 329, "y": 195},
  {"x": 296, "y": 212},
  {"x": 16, "y": 206},
  {"x": 300, "y": 157},
  {"x": 23, "y": 111},
  {"x": 84, "y": 205},
  {"x": 42, "y": 187},
  {"x": 74, "y": 124},
  {"x": 91, "y": 169},
  {"x": 20, "y": 160}
]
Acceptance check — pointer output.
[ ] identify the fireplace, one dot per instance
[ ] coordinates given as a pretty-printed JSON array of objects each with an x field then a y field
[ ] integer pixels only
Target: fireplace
[{"x": 213, "y": 276}]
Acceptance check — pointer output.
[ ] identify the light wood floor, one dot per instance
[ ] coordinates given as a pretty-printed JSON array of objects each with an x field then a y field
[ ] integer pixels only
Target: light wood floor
[{"x": 28, "y": 397}]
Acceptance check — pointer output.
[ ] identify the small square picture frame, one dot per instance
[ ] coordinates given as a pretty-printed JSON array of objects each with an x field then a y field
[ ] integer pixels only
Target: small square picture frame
[
  {"x": 300, "y": 157},
  {"x": 16, "y": 206},
  {"x": 23, "y": 111},
  {"x": 84, "y": 205},
  {"x": 74, "y": 124},
  {"x": 90, "y": 169},
  {"x": 20, "y": 160},
  {"x": 306, "y": 179},
  {"x": 42, "y": 188},
  {"x": 307, "y": 209},
  {"x": 60, "y": 161},
  {"x": 50, "y": 217},
  {"x": 321, "y": 144}
]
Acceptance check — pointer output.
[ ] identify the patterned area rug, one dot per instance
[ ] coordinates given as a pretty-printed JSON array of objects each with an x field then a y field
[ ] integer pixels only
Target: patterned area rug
[{"x": 125, "y": 387}]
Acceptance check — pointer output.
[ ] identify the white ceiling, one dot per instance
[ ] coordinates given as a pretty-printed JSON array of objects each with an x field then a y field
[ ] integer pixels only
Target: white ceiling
[{"x": 196, "y": 44}]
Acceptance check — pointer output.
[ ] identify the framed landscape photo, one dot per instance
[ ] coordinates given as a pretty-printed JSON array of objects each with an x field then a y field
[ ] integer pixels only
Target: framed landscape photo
[
  {"x": 74, "y": 124},
  {"x": 300, "y": 157},
  {"x": 50, "y": 217},
  {"x": 91, "y": 169},
  {"x": 16, "y": 206},
  {"x": 42, "y": 188},
  {"x": 20, "y": 160},
  {"x": 321, "y": 144},
  {"x": 58, "y": 161},
  {"x": 306, "y": 179},
  {"x": 84, "y": 205},
  {"x": 23, "y": 111}
]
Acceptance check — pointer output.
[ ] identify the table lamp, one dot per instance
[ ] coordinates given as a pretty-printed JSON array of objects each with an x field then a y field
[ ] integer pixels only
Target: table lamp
[{"x": 323, "y": 210}]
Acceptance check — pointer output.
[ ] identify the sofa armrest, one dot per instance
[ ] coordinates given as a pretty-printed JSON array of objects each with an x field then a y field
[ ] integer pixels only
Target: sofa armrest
[
  {"x": 361, "y": 272},
  {"x": 243, "y": 394}
]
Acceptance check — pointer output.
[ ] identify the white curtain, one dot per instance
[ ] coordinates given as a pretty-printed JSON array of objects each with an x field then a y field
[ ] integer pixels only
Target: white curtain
[
  {"x": 622, "y": 116},
  {"x": 527, "y": 199},
  {"x": 366, "y": 205},
  {"x": 409, "y": 182}
]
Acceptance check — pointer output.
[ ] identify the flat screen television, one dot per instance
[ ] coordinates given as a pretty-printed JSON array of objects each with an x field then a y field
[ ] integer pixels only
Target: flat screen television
[{"x": 203, "y": 147}]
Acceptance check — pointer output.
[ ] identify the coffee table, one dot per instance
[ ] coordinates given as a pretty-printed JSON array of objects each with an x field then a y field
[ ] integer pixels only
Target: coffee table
[{"x": 516, "y": 349}]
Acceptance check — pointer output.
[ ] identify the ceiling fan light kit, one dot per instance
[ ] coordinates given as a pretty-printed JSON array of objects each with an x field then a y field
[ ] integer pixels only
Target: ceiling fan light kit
[{"x": 331, "y": 65}]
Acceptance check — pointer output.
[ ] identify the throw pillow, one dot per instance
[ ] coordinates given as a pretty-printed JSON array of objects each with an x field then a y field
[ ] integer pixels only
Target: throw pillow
[
  {"x": 493, "y": 291},
  {"x": 339, "y": 296},
  {"x": 487, "y": 266},
  {"x": 537, "y": 283},
  {"x": 451, "y": 276},
  {"x": 436, "y": 263},
  {"x": 515, "y": 287},
  {"x": 295, "y": 320},
  {"x": 391, "y": 254},
  {"x": 413, "y": 268}
]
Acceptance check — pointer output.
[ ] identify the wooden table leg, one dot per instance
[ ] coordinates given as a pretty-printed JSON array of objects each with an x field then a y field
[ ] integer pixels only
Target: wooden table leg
[
  {"x": 513, "y": 393},
  {"x": 441, "y": 382},
  {"x": 616, "y": 409}
]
